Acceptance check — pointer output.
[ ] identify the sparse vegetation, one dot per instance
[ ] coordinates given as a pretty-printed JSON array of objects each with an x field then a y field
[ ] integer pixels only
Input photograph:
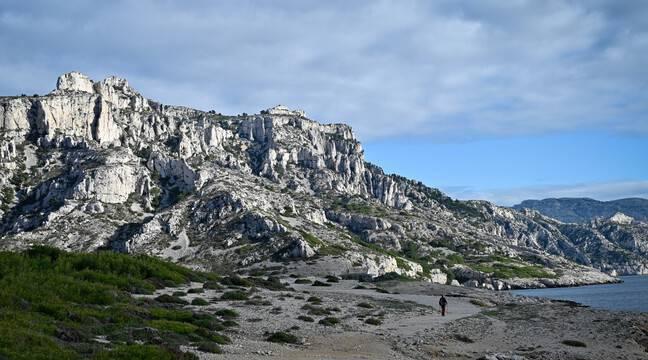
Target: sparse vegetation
[
  {"x": 365, "y": 305},
  {"x": 53, "y": 304}
]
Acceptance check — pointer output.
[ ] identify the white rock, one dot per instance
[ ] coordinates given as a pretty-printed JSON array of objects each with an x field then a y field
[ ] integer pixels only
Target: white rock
[{"x": 74, "y": 81}]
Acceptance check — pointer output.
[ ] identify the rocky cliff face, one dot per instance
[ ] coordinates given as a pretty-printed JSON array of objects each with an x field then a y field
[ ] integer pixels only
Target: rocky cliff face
[{"x": 96, "y": 165}]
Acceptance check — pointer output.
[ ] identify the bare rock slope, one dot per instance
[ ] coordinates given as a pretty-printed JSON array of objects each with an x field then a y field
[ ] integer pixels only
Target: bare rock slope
[{"x": 97, "y": 165}]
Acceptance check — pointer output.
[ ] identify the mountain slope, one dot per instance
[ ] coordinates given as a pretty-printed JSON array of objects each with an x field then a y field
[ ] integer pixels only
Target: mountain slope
[
  {"x": 96, "y": 165},
  {"x": 582, "y": 210}
]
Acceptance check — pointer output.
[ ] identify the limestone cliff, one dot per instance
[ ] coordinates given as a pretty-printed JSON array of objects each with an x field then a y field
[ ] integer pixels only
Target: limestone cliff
[{"x": 96, "y": 165}]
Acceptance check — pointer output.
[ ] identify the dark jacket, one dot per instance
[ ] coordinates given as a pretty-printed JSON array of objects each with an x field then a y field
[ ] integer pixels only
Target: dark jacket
[{"x": 443, "y": 302}]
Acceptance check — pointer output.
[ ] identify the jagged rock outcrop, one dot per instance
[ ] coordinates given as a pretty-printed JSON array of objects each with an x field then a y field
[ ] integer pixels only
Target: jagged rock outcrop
[{"x": 96, "y": 165}]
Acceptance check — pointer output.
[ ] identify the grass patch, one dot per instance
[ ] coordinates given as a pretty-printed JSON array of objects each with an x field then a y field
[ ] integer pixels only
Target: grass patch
[
  {"x": 365, "y": 305},
  {"x": 303, "y": 281},
  {"x": 320, "y": 283}
]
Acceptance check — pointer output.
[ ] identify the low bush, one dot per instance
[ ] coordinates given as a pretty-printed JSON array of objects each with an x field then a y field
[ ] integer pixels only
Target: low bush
[
  {"x": 227, "y": 313},
  {"x": 199, "y": 302},
  {"x": 234, "y": 295},
  {"x": 574, "y": 343},
  {"x": 283, "y": 337},
  {"x": 373, "y": 321},
  {"x": 305, "y": 318},
  {"x": 329, "y": 321},
  {"x": 170, "y": 299},
  {"x": 209, "y": 347}
]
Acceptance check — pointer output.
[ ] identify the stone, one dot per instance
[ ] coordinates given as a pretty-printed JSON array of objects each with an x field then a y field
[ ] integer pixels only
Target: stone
[{"x": 75, "y": 81}]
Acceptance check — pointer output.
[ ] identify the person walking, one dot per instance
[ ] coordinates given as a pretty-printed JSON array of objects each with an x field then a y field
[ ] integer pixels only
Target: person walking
[{"x": 443, "y": 303}]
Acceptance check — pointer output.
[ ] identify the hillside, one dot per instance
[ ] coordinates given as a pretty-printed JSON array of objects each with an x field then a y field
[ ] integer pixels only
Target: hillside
[
  {"x": 95, "y": 165},
  {"x": 583, "y": 210}
]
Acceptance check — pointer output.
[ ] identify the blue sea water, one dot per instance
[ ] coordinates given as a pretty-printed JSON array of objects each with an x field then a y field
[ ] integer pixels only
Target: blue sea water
[{"x": 631, "y": 295}]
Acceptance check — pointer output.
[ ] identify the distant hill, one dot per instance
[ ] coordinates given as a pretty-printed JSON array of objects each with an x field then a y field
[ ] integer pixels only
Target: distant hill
[{"x": 579, "y": 210}]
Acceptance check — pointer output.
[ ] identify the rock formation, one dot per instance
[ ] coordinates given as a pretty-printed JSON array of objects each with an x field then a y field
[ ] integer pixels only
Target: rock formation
[{"x": 96, "y": 165}]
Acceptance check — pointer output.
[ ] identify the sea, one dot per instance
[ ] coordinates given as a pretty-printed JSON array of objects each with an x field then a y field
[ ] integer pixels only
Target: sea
[{"x": 630, "y": 295}]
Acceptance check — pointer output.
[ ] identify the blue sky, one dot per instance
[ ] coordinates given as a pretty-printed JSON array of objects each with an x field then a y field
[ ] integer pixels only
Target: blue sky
[{"x": 497, "y": 100}]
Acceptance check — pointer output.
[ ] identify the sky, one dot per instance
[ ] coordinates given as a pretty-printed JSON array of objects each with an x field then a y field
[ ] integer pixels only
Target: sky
[{"x": 497, "y": 100}]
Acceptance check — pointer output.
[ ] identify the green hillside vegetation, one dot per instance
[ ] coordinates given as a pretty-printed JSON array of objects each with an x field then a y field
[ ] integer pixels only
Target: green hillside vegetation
[{"x": 58, "y": 305}]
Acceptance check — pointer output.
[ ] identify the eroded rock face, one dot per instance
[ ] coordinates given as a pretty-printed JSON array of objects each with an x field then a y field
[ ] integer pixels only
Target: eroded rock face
[
  {"x": 75, "y": 81},
  {"x": 96, "y": 164}
]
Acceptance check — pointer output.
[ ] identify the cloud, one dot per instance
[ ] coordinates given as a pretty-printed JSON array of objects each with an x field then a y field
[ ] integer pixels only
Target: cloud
[
  {"x": 443, "y": 69},
  {"x": 599, "y": 191}
]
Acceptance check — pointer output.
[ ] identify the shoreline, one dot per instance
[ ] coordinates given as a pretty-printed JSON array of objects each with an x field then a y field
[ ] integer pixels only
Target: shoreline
[{"x": 406, "y": 324}]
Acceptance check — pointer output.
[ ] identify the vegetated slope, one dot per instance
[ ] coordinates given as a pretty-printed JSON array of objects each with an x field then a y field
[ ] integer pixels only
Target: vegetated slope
[
  {"x": 96, "y": 165},
  {"x": 57, "y": 305},
  {"x": 584, "y": 210}
]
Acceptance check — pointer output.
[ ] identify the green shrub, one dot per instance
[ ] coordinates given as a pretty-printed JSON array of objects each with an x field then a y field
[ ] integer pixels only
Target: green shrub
[
  {"x": 305, "y": 318},
  {"x": 373, "y": 321},
  {"x": 199, "y": 302},
  {"x": 319, "y": 283},
  {"x": 332, "y": 279},
  {"x": 303, "y": 281},
  {"x": 574, "y": 343},
  {"x": 283, "y": 337},
  {"x": 314, "y": 300},
  {"x": 173, "y": 326},
  {"x": 234, "y": 295},
  {"x": 329, "y": 321},
  {"x": 212, "y": 285},
  {"x": 138, "y": 352},
  {"x": 365, "y": 305},
  {"x": 236, "y": 280},
  {"x": 209, "y": 347},
  {"x": 170, "y": 299},
  {"x": 227, "y": 313},
  {"x": 316, "y": 310}
]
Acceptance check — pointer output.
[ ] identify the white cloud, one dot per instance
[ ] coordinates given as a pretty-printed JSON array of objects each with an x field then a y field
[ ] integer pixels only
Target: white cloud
[{"x": 445, "y": 69}]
